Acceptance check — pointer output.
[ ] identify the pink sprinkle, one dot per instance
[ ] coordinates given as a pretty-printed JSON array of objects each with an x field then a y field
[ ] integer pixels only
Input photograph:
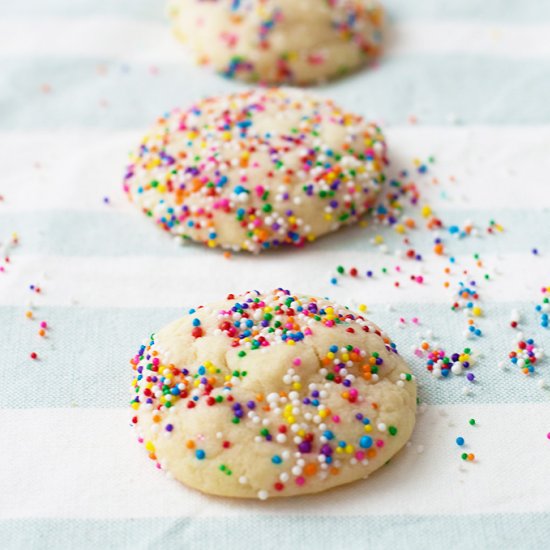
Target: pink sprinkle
[
  {"x": 379, "y": 442},
  {"x": 300, "y": 480},
  {"x": 336, "y": 419},
  {"x": 297, "y": 361},
  {"x": 359, "y": 455}
]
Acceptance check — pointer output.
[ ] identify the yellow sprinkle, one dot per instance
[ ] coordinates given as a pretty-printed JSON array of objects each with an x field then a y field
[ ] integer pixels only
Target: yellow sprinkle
[
  {"x": 426, "y": 211},
  {"x": 400, "y": 229},
  {"x": 362, "y": 307}
]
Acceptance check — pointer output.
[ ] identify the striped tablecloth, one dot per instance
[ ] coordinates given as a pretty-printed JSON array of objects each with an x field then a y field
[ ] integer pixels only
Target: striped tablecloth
[{"x": 464, "y": 82}]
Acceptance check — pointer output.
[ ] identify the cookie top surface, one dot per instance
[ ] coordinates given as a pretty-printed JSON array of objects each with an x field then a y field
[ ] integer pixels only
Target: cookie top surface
[
  {"x": 258, "y": 169},
  {"x": 280, "y": 41},
  {"x": 271, "y": 395}
]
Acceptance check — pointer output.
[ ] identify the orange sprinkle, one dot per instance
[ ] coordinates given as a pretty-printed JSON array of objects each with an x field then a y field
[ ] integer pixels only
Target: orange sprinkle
[{"x": 310, "y": 469}]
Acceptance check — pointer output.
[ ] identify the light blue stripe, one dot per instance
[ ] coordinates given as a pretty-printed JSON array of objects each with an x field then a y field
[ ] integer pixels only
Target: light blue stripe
[
  {"x": 490, "y": 532},
  {"x": 477, "y": 89},
  {"x": 514, "y": 11},
  {"x": 90, "y": 233},
  {"x": 85, "y": 361},
  {"x": 132, "y": 9}
]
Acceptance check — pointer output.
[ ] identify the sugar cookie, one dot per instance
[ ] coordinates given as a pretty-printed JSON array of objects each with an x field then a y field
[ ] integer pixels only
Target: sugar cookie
[
  {"x": 271, "y": 395},
  {"x": 280, "y": 41},
  {"x": 257, "y": 169}
]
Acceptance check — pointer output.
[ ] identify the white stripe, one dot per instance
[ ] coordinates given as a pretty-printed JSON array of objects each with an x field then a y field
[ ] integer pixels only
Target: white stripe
[
  {"x": 493, "y": 167},
  {"x": 130, "y": 40},
  {"x": 148, "y": 281},
  {"x": 442, "y": 37},
  {"x": 84, "y": 463}
]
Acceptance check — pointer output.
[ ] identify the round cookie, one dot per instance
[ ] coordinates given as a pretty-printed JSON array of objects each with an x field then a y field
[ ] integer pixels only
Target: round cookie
[
  {"x": 257, "y": 169},
  {"x": 271, "y": 395},
  {"x": 280, "y": 41}
]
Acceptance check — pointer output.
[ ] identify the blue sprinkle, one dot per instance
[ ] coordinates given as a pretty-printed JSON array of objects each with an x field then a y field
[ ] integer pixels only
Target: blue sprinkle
[{"x": 365, "y": 442}]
